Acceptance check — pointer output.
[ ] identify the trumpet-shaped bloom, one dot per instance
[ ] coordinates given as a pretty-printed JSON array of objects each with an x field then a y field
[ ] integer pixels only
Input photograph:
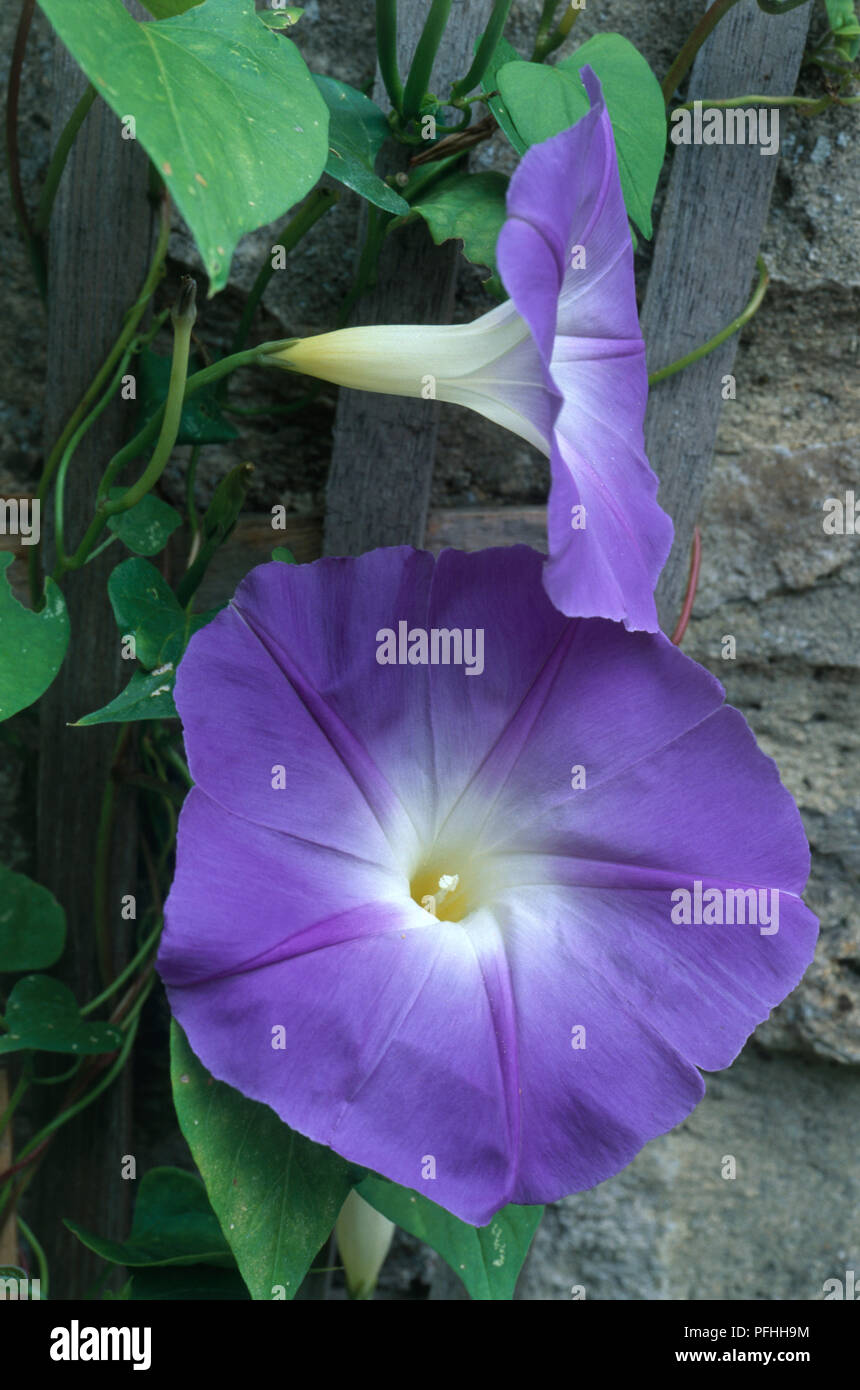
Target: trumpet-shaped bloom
[
  {"x": 429, "y": 901},
  {"x": 562, "y": 363}
]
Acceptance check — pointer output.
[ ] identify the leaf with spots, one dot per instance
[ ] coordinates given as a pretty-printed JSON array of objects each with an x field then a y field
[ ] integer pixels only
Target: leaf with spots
[
  {"x": 146, "y": 608},
  {"x": 42, "y": 1014},
  {"x": 148, "y": 695},
  {"x": 225, "y": 108},
  {"x": 32, "y": 645},
  {"x": 276, "y": 1194},
  {"x": 488, "y": 1259},
  {"x": 357, "y": 132},
  {"x": 147, "y": 527}
]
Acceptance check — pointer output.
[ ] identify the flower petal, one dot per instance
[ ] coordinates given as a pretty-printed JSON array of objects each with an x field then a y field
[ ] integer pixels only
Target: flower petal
[
  {"x": 388, "y": 1054},
  {"x": 419, "y": 1046},
  {"x": 566, "y": 257}
]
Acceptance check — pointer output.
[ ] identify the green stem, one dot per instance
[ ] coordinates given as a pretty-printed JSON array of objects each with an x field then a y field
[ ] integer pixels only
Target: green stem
[
  {"x": 249, "y": 357},
  {"x": 547, "y": 15},
  {"x": 63, "y": 1075},
  {"x": 288, "y": 237},
  {"x": 94, "y": 390},
  {"x": 180, "y": 764},
  {"x": 183, "y": 323},
  {"x": 58, "y": 160},
  {"x": 386, "y": 49},
  {"x": 684, "y": 61},
  {"x": 820, "y": 104},
  {"x": 424, "y": 57},
  {"x": 100, "y": 549},
  {"x": 743, "y": 317},
  {"x": 126, "y": 972},
  {"x": 170, "y": 418},
  {"x": 486, "y": 49},
  {"x": 14, "y": 1099},
  {"x": 75, "y": 1109},
  {"x": 40, "y": 1256},
  {"x": 69, "y": 451},
  {"x": 551, "y": 42}
]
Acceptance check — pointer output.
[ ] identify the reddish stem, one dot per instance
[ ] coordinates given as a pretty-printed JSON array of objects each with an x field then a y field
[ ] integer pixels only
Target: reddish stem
[{"x": 692, "y": 585}]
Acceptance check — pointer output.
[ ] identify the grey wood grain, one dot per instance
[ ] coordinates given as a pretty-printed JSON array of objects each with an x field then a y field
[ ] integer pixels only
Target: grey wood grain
[
  {"x": 100, "y": 244},
  {"x": 703, "y": 269},
  {"x": 384, "y": 446}
]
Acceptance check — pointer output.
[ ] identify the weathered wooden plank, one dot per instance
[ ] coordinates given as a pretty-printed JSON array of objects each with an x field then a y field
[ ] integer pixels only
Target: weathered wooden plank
[
  {"x": 384, "y": 446},
  {"x": 99, "y": 250},
  {"x": 704, "y": 261},
  {"x": 467, "y": 528},
  {"x": 253, "y": 540}
]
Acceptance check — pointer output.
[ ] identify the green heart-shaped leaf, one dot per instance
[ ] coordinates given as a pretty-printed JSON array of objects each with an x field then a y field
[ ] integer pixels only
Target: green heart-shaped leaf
[
  {"x": 42, "y": 1014},
  {"x": 276, "y": 1194},
  {"x": 148, "y": 695},
  {"x": 145, "y": 606},
  {"x": 32, "y": 924},
  {"x": 545, "y": 100},
  {"x": 504, "y": 53},
  {"x": 488, "y": 1259},
  {"x": 147, "y": 527},
  {"x": 470, "y": 207},
  {"x": 173, "y": 1224},
  {"x": 32, "y": 645},
  {"x": 225, "y": 108},
  {"x": 357, "y": 131}
]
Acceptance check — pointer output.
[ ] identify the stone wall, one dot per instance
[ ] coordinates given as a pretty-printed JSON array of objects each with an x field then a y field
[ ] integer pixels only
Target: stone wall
[{"x": 670, "y": 1226}]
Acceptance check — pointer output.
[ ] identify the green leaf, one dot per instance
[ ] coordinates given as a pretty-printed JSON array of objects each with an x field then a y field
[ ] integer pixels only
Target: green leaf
[
  {"x": 504, "y": 53},
  {"x": 543, "y": 101},
  {"x": 32, "y": 645},
  {"x": 843, "y": 22},
  {"x": 357, "y": 131},
  {"x": 276, "y": 1194},
  {"x": 488, "y": 1259},
  {"x": 166, "y": 9},
  {"x": 173, "y": 1224},
  {"x": 32, "y": 924},
  {"x": 145, "y": 606},
  {"x": 191, "y": 1282},
  {"x": 147, "y": 527},
  {"x": 283, "y": 553},
  {"x": 281, "y": 18},
  {"x": 472, "y": 208},
  {"x": 42, "y": 1014},
  {"x": 148, "y": 695},
  {"x": 202, "y": 420},
  {"x": 226, "y": 110}
]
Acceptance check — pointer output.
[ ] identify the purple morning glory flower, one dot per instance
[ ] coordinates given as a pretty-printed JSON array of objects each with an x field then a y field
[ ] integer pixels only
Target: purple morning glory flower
[
  {"x": 468, "y": 890},
  {"x": 562, "y": 364}
]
